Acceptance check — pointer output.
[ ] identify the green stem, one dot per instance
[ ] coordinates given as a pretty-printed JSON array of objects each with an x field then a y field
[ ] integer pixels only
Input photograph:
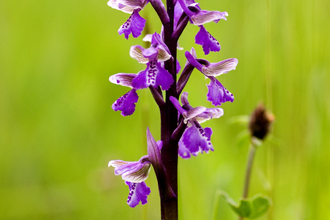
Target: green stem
[{"x": 248, "y": 171}]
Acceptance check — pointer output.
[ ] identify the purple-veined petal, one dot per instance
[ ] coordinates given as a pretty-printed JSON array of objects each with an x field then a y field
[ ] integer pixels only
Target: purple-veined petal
[
  {"x": 138, "y": 192},
  {"x": 197, "y": 139},
  {"x": 134, "y": 25},
  {"x": 126, "y": 103},
  {"x": 208, "y": 42},
  {"x": 163, "y": 55},
  {"x": 134, "y": 172},
  {"x": 216, "y": 69},
  {"x": 217, "y": 93},
  {"x": 136, "y": 52},
  {"x": 194, "y": 112},
  {"x": 208, "y": 114},
  {"x": 123, "y": 79},
  {"x": 127, "y": 6},
  {"x": 203, "y": 17}
]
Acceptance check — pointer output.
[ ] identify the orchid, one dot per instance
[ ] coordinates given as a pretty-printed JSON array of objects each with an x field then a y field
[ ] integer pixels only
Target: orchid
[
  {"x": 195, "y": 138},
  {"x": 181, "y": 131},
  {"x": 134, "y": 174},
  {"x": 217, "y": 93},
  {"x": 135, "y": 22},
  {"x": 200, "y": 17},
  {"x": 154, "y": 75},
  {"x": 125, "y": 103}
]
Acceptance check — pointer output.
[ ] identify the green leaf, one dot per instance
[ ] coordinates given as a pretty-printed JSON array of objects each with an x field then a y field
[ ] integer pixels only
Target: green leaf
[
  {"x": 259, "y": 205},
  {"x": 249, "y": 208}
]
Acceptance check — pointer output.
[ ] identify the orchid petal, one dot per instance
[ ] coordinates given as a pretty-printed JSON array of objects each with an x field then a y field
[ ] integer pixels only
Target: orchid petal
[
  {"x": 216, "y": 69},
  {"x": 127, "y": 6},
  {"x": 138, "y": 192},
  {"x": 123, "y": 79},
  {"x": 208, "y": 42},
  {"x": 183, "y": 151},
  {"x": 192, "y": 113},
  {"x": 196, "y": 139},
  {"x": 150, "y": 53},
  {"x": 203, "y": 17},
  {"x": 134, "y": 25},
  {"x": 134, "y": 172},
  {"x": 163, "y": 55},
  {"x": 126, "y": 103},
  {"x": 157, "y": 40},
  {"x": 154, "y": 75},
  {"x": 163, "y": 78},
  {"x": 217, "y": 93},
  {"x": 136, "y": 52},
  {"x": 209, "y": 114},
  {"x": 147, "y": 38}
]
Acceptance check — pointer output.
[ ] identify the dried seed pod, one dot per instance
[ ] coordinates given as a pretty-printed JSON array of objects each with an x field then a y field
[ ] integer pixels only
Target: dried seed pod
[{"x": 260, "y": 122}]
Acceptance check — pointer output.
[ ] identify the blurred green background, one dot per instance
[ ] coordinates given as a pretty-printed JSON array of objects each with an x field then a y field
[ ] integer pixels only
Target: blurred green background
[{"x": 58, "y": 131}]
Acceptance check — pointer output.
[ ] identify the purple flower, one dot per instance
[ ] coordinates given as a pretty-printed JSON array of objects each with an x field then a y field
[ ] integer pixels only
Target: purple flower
[
  {"x": 135, "y": 22},
  {"x": 126, "y": 103},
  {"x": 149, "y": 37},
  {"x": 134, "y": 174},
  {"x": 195, "y": 138},
  {"x": 200, "y": 17},
  {"x": 154, "y": 75},
  {"x": 217, "y": 93}
]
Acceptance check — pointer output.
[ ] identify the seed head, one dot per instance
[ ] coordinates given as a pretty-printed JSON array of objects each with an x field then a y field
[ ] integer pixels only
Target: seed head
[{"x": 260, "y": 122}]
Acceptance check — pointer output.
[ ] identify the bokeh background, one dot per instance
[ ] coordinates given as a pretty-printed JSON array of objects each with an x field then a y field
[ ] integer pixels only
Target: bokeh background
[{"x": 58, "y": 131}]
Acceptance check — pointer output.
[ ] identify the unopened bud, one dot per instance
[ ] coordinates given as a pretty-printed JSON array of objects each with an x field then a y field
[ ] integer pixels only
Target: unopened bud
[{"x": 260, "y": 122}]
